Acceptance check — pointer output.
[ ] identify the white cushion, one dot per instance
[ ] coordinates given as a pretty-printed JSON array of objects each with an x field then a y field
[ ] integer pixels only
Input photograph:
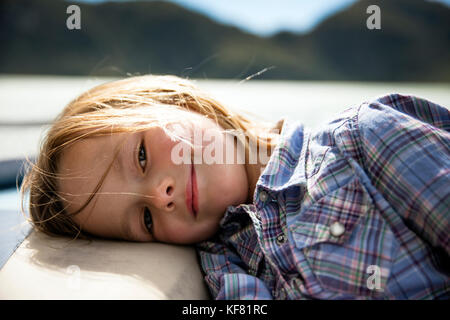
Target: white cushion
[{"x": 46, "y": 267}]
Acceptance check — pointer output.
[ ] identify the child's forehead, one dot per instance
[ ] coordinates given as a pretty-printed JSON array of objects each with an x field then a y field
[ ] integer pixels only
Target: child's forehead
[
  {"x": 89, "y": 153},
  {"x": 82, "y": 166}
]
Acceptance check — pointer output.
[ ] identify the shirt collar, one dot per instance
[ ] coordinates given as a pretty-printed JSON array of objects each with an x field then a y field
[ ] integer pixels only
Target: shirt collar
[
  {"x": 290, "y": 144},
  {"x": 284, "y": 158}
]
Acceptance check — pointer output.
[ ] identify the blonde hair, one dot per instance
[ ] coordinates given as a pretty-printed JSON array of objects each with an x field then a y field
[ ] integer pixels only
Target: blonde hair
[{"x": 128, "y": 105}]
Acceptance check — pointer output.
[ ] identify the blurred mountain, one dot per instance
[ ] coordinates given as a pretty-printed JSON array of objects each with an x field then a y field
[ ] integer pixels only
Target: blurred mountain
[{"x": 117, "y": 39}]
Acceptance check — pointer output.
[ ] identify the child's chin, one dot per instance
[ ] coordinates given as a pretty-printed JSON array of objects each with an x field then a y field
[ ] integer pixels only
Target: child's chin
[{"x": 205, "y": 234}]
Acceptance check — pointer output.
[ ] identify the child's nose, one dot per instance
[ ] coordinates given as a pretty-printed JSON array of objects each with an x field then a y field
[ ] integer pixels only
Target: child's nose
[{"x": 164, "y": 195}]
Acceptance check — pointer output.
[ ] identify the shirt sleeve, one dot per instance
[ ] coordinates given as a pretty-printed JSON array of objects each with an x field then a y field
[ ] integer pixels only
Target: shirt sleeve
[
  {"x": 405, "y": 142},
  {"x": 226, "y": 277}
]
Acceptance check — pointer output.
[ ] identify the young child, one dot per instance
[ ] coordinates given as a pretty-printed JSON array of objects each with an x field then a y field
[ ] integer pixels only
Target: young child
[{"x": 358, "y": 209}]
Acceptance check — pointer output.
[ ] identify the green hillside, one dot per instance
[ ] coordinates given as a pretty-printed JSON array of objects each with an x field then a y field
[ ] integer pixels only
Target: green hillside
[{"x": 117, "y": 39}]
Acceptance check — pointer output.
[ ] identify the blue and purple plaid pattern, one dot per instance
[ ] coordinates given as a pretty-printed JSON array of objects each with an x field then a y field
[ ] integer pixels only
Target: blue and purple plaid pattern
[{"x": 358, "y": 209}]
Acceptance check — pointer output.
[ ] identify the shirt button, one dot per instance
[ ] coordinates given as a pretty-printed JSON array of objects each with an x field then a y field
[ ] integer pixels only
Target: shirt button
[
  {"x": 337, "y": 229},
  {"x": 281, "y": 239},
  {"x": 274, "y": 293},
  {"x": 263, "y": 196}
]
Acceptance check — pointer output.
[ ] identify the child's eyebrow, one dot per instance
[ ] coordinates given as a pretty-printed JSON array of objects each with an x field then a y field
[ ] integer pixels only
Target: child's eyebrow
[
  {"x": 122, "y": 161},
  {"x": 126, "y": 227}
]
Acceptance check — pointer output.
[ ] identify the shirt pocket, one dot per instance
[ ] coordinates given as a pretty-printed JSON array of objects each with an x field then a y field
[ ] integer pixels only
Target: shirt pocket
[{"x": 345, "y": 245}]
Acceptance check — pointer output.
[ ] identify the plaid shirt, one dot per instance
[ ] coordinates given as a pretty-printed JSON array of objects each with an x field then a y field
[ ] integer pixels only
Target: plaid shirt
[{"x": 358, "y": 209}]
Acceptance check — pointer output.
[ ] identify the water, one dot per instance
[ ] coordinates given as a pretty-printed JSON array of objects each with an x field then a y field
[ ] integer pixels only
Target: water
[
  {"x": 41, "y": 98},
  {"x": 38, "y": 99},
  {"x": 13, "y": 225}
]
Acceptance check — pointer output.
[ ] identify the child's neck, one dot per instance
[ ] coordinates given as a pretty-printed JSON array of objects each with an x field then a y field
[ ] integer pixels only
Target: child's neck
[{"x": 253, "y": 173}]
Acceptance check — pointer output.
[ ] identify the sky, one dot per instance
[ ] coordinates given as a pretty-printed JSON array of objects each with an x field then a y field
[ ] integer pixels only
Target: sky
[{"x": 265, "y": 17}]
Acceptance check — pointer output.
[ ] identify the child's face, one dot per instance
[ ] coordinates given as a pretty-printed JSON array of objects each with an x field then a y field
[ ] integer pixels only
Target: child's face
[{"x": 186, "y": 202}]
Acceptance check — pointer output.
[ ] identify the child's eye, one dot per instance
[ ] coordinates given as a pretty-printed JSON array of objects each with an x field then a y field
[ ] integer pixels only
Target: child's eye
[
  {"x": 142, "y": 157},
  {"x": 148, "y": 220}
]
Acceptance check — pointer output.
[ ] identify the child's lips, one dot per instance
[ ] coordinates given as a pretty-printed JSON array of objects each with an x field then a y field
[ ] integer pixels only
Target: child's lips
[{"x": 192, "y": 192}]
